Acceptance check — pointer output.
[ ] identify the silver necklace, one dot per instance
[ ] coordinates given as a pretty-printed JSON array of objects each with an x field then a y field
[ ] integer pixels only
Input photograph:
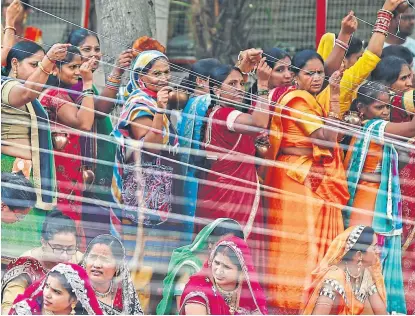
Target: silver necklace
[{"x": 103, "y": 295}]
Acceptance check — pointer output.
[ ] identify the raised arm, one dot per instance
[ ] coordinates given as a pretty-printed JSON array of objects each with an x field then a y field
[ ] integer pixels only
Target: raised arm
[
  {"x": 405, "y": 129},
  {"x": 9, "y": 30},
  {"x": 335, "y": 59},
  {"x": 152, "y": 129},
  {"x": 377, "y": 40},
  {"x": 30, "y": 90},
  {"x": 113, "y": 83},
  {"x": 260, "y": 115},
  {"x": 82, "y": 118}
]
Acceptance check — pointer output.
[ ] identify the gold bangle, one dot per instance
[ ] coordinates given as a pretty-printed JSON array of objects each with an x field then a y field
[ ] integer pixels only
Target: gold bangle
[
  {"x": 9, "y": 28},
  {"x": 43, "y": 69}
]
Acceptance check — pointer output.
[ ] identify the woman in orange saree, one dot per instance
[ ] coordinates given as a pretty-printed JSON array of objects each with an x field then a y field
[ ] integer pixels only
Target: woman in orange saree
[
  {"x": 349, "y": 277},
  {"x": 306, "y": 216}
]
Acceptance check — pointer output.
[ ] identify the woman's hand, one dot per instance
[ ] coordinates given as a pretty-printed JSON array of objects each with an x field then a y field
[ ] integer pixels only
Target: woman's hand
[
  {"x": 392, "y": 5},
  {"x": 263, "y": 72},
  {"x": 12, "y": 12},
  {"x": 349, "y": 24},
  {"x": 123, "y": 62},
  {"x": 248, "y": 59},
  {"x": 86, "y": 71},
  {"x": 57, "y": 52},
  {"x": 163, "y": 98},
  {"x": 334, "y": 82}
]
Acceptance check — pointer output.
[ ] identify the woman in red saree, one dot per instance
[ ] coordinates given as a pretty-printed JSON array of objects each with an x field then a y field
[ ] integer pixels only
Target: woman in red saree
[
  {"x": 65, "y": 290},
  {"x": 230, "y": 264},
  {"x": 396, "y": 74},
  {"x": 307, "y": 168},
  {"x": 67, "y": 120},
  {"x": 401, "y": 111},
  {"x": 231, "y": 188}
]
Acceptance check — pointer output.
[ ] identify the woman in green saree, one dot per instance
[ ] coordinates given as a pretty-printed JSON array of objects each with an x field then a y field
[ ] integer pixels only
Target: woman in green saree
[{"x": 188, "y": 260}]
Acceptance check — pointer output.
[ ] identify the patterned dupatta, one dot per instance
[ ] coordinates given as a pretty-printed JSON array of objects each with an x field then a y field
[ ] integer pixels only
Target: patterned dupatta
[
  {"x": 23, "y": 266},
  {"x": 201, "y": 286},
  {"x": 328, "y": 270},
  {"x": 44, "y": 177},
  {"x": 387, "y": 217},
  {"x": 126, "y": 300},
  {"x": 31, "y": 301},
  {"x": 186, "y": 256}
]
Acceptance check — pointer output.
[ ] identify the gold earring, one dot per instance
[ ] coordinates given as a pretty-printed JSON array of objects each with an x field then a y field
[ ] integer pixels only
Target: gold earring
[
  {"x": 15, "y": 72},
  {"x": 73, "y": 309}
]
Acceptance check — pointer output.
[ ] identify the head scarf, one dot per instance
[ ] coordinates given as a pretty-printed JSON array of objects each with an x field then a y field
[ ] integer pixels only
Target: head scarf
[
  {"x": 27, "y": 303},
  {"x": 251, "y": 296},
  {"x": 139, "y": 64},
  {"x": 339, "y": 247},
  {"x": 186, "y": 256},
  {"x": 126, "y": 298},
  {"x": 23, "y": 266}
]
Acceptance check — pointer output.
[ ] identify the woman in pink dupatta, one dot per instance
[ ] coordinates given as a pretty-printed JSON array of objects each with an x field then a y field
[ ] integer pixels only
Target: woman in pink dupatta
[
  {"x": 65, "y": 290},
  {"x": 248, "y": 297},
  {"x": 232, "y": 189}
]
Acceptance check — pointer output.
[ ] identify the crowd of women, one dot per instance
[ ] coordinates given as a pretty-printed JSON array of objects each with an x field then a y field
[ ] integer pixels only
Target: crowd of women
[{"x": 278, "y": 184}]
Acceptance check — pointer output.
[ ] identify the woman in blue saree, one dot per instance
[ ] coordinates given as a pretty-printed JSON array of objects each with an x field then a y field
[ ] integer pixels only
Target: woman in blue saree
[
  {"x": 374, "y": 187},
  {"x": 189, "y": 130}
]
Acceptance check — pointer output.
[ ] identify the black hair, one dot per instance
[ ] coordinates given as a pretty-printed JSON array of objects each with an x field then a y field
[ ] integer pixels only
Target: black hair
[
  {"x": 228, "y": 227},
  {"x": 56, "y": 223},
  {"x": 355, "y": 46},
  {"x": 20, "y": 194},
  {"x": 273, "y": 55},
  {"x": 398, "y": 51},
  {"x": 202, "y": 68},
  {"x": 21, "y": 51},
  {"x": 363, "y": 242},
  {"x": 218, "y": 76},
  {"x": 388, "y": 69},
  {"x": 368, "y": 93},
  {"x": 302, "y": 58},
  {"x": 72, "y": 51},
  {"x": 114, "y": 244},
  {"x": 228, "y": 252},
  {"x": 79, "y": 310},
  {"x": 77, "y": 37}
]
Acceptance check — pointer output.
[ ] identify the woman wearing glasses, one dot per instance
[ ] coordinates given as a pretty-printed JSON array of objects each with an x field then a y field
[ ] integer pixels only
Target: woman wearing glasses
[{"x": 59, "y": 244}]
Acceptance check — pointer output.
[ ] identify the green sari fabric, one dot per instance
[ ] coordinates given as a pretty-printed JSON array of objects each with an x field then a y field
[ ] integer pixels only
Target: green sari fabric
[
  {"x": 23, "y": 235},
  {"x": 184, "y": 258},
  {"x": 106, "y": 152}
]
